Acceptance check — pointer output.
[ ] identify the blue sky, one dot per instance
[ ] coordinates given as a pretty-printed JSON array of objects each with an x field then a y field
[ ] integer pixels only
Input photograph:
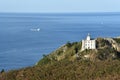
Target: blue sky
[{"x": 41, "y": 6}]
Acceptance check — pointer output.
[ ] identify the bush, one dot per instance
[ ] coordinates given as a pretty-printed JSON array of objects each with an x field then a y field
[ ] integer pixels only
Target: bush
[
  {"x": 43, "y": 61},
  {"x": 68, "y": 44},
  {"x": 117, "y": 40},
  {"x": 2, "y": 71}
]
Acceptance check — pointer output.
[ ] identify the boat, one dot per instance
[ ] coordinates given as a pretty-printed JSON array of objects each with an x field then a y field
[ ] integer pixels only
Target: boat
[{"x": 35, "y": 29}]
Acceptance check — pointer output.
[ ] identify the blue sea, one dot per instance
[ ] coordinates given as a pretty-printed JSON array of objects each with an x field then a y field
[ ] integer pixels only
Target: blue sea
[{"x": 22, "y": 44}]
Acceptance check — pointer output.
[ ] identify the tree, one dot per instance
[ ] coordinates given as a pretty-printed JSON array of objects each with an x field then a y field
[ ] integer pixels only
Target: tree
[{"x": 2, "y": 71}]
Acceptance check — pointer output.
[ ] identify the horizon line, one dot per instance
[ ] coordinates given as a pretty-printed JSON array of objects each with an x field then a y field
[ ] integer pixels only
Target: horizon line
[{"x": 59, "y": 12}]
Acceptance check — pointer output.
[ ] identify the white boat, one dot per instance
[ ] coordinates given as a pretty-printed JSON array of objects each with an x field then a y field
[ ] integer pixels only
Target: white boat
[{"x": 35, "y": 29}]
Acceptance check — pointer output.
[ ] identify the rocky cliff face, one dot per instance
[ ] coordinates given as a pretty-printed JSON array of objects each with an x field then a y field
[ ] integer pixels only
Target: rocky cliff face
[{"x": 114, "y": 43}]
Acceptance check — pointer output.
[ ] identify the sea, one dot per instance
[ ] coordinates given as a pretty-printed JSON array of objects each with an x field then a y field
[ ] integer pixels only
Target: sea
[{"x": 26, "y": 37}]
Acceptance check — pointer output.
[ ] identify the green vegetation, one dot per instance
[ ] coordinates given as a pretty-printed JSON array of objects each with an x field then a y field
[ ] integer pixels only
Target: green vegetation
[
  {"x": 117, "y": 40},
  {"x": 2, "y": 71},
  {"x": 69, "y": 63},
  {"x": 106, "y": 53},
  {"x": 68, "y": 70},
  {"x": 68, "y": 44},
  {"x": 44, "y": 60},
  {"x": 101, "y": 43}
]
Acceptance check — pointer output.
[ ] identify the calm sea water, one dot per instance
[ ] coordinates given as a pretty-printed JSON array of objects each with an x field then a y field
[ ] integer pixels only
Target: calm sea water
[{"x": 20, "y": 46}]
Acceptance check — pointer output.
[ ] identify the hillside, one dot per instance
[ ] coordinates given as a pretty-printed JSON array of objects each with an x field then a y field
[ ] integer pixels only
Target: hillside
[
  {"x": 70, "y": 63},
  {"x": 107, "y": 48}
]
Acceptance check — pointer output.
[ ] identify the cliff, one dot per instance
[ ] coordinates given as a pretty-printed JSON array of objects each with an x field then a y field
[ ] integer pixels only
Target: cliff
[{"x": 70, "y": 63}]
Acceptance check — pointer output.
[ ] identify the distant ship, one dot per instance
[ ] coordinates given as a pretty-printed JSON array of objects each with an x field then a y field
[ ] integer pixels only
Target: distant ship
[{"x": 35, "y": 29}]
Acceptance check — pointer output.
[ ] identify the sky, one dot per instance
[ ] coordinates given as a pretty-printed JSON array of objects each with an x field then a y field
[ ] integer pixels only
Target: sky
[{"x": 59, "y": 6}]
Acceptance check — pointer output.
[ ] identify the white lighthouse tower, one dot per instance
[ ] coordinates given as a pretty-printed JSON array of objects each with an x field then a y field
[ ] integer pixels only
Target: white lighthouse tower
[{"x": 88, "y": 43}]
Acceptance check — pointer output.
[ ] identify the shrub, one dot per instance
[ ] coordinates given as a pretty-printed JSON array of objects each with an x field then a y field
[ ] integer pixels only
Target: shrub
[
  {"x": 117, "y": 40},
  {"x": 44, "y": 60},
  {"x": 68, "y": 44}
]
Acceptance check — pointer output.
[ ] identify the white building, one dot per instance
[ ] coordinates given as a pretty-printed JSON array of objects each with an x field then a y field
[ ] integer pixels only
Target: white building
[{"x": 88, "y": 43}]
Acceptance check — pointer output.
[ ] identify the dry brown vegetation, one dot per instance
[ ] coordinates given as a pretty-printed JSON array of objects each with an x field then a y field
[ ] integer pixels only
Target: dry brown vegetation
[{"x": 68, "y": 70}]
